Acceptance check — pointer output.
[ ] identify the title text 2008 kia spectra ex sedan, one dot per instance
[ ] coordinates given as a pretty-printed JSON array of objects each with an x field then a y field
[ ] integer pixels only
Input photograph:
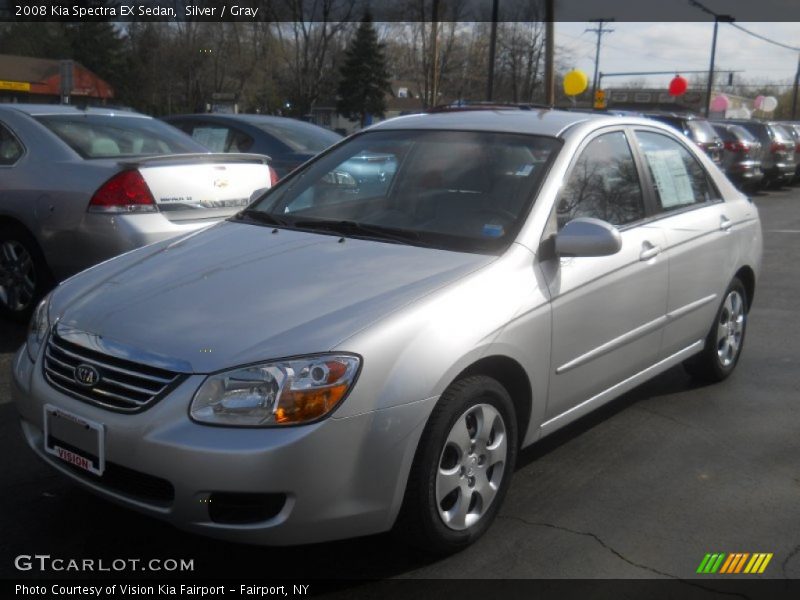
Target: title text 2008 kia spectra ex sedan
[{"x": 347, "y": 356}]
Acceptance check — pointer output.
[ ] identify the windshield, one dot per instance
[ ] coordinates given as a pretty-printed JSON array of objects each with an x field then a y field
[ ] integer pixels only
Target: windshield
[
  {"x": 781, "y": 134},
  {"x": 742, "y": 133},
  {"x": 458, "y": 190},
  {"x": 298, "y": 136},
  {"x": 107, "y": 136},
  {"x": 702, "y": 131}
]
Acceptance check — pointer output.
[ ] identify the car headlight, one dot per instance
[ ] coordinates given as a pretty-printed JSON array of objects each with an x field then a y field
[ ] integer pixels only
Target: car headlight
[
  {"x": 273, "y": 394},
  {"x": 37, "y": 329}
]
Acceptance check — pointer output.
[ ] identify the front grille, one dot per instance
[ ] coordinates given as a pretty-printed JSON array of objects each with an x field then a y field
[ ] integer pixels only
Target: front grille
[{"x": 123, "y": 385}]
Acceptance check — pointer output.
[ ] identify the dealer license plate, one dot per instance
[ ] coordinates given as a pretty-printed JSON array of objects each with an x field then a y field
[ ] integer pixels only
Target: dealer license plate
[{"x": 75, "y": 440}]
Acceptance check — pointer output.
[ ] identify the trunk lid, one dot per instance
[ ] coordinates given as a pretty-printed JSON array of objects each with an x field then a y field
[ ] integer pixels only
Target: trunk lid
[{"x": 189, "y": 187}]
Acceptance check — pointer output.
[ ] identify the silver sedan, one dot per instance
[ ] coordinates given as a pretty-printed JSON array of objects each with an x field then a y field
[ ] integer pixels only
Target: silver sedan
[
  {"x": 344, "y": 358},
  {"x": 80, "y": 186}
]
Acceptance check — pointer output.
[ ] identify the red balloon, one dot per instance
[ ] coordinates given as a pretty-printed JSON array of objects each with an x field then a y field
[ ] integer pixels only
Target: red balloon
[{"x": 678, "y": 86}]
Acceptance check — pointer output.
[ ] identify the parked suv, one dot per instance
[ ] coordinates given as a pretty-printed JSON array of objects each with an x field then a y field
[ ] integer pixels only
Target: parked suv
[
  {"x": 329, "y": 364},
  {"x": 793, "y": 129},
  {"x": 741, "y": 158},
  {"x": 697, "y": 129},
  {"x": 777, "y": 150}
]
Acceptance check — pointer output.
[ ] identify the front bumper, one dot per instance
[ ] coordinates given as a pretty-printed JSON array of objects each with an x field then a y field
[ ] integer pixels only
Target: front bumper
[{"x": 341, "y": 477}]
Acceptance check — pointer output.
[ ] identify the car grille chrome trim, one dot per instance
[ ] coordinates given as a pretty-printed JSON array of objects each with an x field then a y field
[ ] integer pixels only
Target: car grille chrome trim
[{"x": 124, "y": 385}]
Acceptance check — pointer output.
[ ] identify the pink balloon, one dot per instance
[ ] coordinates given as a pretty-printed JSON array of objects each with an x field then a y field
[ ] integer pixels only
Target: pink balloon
[
  {"x": 720, "y": 103},
  {"x": 758, "y": 101}
]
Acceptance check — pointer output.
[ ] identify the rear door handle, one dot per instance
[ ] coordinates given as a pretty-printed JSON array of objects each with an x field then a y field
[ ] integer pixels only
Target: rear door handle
[
  {"x": 725, "y": 223},
  {"x": 649, "y": 251}
]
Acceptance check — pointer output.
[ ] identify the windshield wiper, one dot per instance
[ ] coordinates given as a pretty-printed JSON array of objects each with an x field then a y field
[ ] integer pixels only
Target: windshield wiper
[
  {"x": 261, "y": 217},
  {"x": 363, "y": 230}
]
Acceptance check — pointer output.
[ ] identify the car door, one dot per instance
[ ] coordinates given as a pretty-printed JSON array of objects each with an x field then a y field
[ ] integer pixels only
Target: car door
[
  {"x": 697, "y": 227},
  {"x": 607, "y": 311}
]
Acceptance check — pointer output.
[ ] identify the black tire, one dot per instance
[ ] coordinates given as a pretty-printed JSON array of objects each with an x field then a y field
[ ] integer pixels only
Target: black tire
[
  {"x": 21, "y": 259},
  {"x": 420, "y": 523},
  {"x": 709, "y": 366}
]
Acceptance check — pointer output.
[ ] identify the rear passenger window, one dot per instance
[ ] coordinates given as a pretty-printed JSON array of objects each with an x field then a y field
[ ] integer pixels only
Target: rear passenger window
[
  {"x": 678, "y": 177},
  {"x": 219, "y": 138},
  {"x": 10, "y": 149},
  {"x": 603, "y": 184}
]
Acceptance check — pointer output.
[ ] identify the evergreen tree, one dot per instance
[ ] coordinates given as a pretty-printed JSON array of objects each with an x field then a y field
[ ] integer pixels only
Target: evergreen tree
[{"x": 364, "y": 77}]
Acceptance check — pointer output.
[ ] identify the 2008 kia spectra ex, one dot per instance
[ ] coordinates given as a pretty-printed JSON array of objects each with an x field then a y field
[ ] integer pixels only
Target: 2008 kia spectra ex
[{"x": 357, "y": 352}]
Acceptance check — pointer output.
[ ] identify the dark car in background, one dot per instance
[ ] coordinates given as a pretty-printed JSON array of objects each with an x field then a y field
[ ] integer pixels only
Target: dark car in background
[
  {"x": 741, "y": 157},
  {"x": 697, "y": 129},
  {"x": 288, "y": 142},
  {"x": 777, "y": 150},
  {"x": 793, "y": 129}
]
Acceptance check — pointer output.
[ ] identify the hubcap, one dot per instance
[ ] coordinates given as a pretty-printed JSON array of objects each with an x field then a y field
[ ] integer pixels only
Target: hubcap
[
  {"x": 471, "y": 466},
  {"x": 730, "y": 329},
  {"x": 17, "y": 276}
]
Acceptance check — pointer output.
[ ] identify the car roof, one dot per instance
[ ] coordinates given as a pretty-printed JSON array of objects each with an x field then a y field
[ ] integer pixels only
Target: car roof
[
  {"x": 65, "y": 109},
  {"x": 540, "y": 121},
  {"x": 240, "y": 117},
  {"x": 675, "y": 115}
]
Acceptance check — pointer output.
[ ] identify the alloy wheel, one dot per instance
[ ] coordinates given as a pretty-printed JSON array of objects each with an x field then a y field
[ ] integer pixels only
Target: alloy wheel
[
  {"x": 471, "y": 466},
  {"x": 730, "y": 328},
  {"x": 17, "y": 276}
]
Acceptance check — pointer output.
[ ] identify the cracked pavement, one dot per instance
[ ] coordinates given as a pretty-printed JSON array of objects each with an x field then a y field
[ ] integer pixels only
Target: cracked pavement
[{"x": 641, "y": 489}]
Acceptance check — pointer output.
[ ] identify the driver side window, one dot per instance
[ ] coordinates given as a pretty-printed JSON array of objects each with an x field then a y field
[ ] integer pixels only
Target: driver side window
[{"x": 603, "y": 184}]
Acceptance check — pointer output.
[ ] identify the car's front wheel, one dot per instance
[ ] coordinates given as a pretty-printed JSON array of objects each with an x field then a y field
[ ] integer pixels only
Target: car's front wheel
[
  {"x": 725, "y": 339},
  {"x": 462, "y": 467},
  {"x": 24, "y": 276}
]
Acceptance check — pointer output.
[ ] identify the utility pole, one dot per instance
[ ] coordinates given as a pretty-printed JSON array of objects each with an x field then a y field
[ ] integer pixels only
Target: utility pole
[
  {"x": 599, "y": 30},
  {"x": 435, "y": 53},
  {"x": 794, "y": 95},
  {"x": 717, "y": 20},
  {"x": 492, "y": 47},
  {"x": 549, "y": 45}
]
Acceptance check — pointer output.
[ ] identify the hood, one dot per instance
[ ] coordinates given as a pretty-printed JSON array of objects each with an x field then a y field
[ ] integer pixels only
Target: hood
[{"x": 239, "y": 293}]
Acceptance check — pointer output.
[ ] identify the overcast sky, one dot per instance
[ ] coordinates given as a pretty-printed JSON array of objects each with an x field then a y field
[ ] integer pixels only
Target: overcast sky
[{"x": 682, "y": 46}]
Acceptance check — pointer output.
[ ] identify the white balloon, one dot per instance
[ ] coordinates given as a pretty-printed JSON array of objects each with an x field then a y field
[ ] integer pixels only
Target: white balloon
[{"x": 769, "y": 104}]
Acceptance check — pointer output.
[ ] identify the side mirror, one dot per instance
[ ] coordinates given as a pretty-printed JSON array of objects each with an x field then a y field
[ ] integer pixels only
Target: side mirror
[{"x": 588, "y": 237}]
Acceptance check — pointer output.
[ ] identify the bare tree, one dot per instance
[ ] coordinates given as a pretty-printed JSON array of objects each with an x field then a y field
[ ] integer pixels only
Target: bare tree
[{"x": 306, "y": 47}]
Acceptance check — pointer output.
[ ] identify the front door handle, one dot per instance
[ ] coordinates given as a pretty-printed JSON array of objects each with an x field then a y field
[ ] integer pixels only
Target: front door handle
[
  {"x": 725, "y": 223},
  {"x": 649, "y": 251}
]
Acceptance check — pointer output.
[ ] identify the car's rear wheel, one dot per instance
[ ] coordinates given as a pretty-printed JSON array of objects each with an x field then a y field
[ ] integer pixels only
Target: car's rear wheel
[
  {"x": 462, "y": 467},
  {"x": 725, "y": 339},
  {"x": 24, "y": 276}
]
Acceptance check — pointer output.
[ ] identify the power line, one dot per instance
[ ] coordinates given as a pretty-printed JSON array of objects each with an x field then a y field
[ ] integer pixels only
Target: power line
[
  {"x": 765, "y": 39},
  {"x": 707, "y": 10}
]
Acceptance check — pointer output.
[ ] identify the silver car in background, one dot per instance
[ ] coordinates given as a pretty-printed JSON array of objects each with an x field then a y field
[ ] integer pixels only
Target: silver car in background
[
  {"x": 80, "y": 186},
  {"x": 338, "y": 361}
]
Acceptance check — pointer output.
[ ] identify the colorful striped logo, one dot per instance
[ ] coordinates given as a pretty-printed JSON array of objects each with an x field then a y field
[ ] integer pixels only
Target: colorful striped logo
[{"x": 737, "y": 562}]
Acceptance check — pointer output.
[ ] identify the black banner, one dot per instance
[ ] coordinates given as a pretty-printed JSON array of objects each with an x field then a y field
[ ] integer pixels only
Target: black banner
[
  {"x": 394, "y": 10},
  {"x": 418, "y": 589}
]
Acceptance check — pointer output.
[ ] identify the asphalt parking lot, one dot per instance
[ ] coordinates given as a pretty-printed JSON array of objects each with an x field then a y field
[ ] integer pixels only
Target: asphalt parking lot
[{"x": 643, "y": 488}]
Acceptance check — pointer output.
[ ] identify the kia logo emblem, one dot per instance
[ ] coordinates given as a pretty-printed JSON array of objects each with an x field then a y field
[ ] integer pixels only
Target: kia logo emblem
[{"x": 87, "y": 375}]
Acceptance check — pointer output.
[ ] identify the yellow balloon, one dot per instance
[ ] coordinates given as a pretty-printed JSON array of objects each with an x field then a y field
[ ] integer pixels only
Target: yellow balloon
[{"x": 575, "y": 82}]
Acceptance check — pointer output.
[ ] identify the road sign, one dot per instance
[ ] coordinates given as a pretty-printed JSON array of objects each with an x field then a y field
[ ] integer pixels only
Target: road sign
[{"x": 16, "y": 86}]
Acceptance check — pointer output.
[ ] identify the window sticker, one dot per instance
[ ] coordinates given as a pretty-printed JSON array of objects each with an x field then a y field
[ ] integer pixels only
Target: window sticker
[
  {"x": 213, "y": 138},
  {"x": 671, "y": 177}
]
